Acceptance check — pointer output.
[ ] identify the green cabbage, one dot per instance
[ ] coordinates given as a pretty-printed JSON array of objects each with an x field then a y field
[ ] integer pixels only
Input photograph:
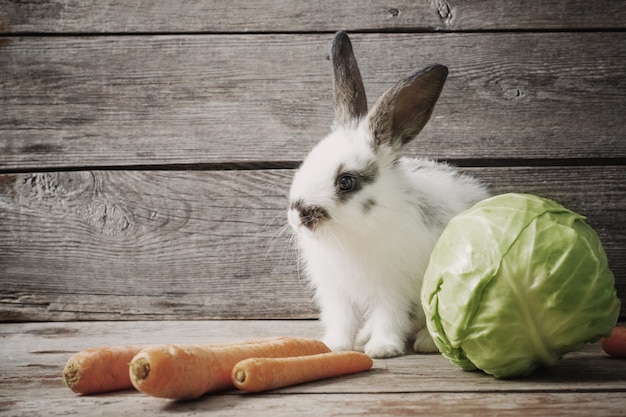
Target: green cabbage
[{"x": 514, "y": 283}]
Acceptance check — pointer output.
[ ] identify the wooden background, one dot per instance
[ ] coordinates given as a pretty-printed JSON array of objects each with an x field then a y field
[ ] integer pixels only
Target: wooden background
[{"x": 146, "y": 147}]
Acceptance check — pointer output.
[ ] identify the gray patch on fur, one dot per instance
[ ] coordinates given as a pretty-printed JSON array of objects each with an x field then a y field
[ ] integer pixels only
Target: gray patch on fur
[
  {"x": 368, "y": 205},
  {"x": 364, "y": 176},
  {"x": 434, "y": 215}
]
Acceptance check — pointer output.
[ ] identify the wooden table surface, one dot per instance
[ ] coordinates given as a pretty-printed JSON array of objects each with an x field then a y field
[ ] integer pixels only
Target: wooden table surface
[{"x": 32, "y": 356}]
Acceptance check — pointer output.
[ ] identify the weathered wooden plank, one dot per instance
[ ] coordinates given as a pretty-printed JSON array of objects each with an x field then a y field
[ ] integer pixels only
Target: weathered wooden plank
[
  {"x": 121, "y": 235},
  {"x": 46, "y": 346},
  {"x": 32, "y": 355},
  {"x": 463, "y": 404},
  {"x": 127, "y": 101},
  {"x": 204, "y": 244},
  {"x": 63, "y": 16}
]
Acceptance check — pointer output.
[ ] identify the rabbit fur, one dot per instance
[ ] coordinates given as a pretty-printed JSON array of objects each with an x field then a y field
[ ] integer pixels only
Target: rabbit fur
[{"x": 366, "y": 219}]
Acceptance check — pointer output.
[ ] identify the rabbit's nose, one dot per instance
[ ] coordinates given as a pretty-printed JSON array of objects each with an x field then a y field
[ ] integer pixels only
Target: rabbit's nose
[{"x": 311, "y": 216}]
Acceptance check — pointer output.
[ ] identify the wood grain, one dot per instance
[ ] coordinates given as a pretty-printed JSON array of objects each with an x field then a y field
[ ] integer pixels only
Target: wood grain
[
  {"x": 461, "y": 404},
  {"x": 155, "y": 100},
  {"x": 123, "y": 245},
  {"x": 32, "y": 355},
  {"x": 90, "y": 16}
]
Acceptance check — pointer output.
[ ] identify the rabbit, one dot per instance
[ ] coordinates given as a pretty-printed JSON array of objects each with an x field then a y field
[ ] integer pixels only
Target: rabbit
[{"x": 366, "y": 219}]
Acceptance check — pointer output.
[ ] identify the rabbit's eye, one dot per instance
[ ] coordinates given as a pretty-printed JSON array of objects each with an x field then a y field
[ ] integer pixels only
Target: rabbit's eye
[{"x": 347, "y": 183}]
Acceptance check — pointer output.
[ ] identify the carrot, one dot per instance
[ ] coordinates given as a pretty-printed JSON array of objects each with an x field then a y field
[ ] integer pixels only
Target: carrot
[
  {"x": 615, "y": 344},
  {"x": 181, "y": 372},
  {"x": 100, "y": 369},
  {"x": 261, "y": 374},
  {"x": 105, "y": 369}
]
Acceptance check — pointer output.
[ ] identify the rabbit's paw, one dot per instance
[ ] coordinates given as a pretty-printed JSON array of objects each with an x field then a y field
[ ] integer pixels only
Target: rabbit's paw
[
  {"x": 382, "y": 348},
  {"x": 337, "y": 344},
  {"x": 424, "y": 343}
]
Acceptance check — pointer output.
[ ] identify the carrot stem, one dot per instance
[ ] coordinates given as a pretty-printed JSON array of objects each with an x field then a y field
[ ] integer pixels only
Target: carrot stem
[
  {"x": 261, "y": 374},
  {"x": 181, "y": 372}
]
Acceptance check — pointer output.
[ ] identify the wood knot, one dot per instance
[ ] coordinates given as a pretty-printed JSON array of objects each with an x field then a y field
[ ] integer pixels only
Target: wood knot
[
  {"x": 443, "y": 10},
  {"x": 512, "y": 89},
  {"x": 107, "y": 218},
  {"x": 54, "y": 189}
]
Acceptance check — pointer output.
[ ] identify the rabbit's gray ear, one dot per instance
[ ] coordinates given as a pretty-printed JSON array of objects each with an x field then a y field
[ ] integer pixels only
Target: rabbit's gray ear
[
  {"x": 403, "y": 110},
  {"x": 349, "y": 94}
]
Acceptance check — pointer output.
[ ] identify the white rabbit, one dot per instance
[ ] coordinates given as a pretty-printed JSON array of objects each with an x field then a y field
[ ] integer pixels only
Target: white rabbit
[{"x": 366, "y": 219}]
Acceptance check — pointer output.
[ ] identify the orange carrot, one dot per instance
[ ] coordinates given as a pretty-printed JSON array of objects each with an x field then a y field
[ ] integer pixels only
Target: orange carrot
[
  {"x": 615, "y": 344},
  {"x": 261, "y": 374},
  {"x": 181, "y": 372},
  {"x": 100, "y": 369},
  {"x": 105, "y": 369}
]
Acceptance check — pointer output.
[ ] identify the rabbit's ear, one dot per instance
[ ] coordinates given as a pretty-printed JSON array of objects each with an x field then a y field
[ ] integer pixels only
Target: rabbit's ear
[
  {"x": 349, "y": 94},
  {"x": 403, "y": 110}
]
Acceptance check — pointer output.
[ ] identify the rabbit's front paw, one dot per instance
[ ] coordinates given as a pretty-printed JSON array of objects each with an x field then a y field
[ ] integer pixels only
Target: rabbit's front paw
[
  {"x": 383, "y": 348},
  {"x": 337, "y": 344}
]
